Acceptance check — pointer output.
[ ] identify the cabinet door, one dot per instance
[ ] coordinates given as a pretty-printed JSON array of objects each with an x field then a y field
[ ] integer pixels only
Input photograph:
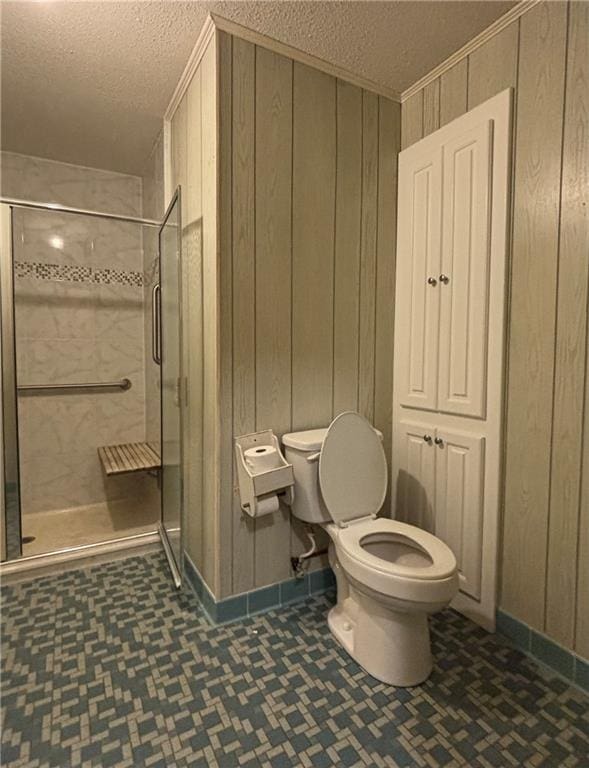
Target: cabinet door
[
  {"x": 464, "y": 283},
  {"x": 415, "y": 462},
  {"x": 459, "y": 502},
  {"x": 418, "y": 261}
]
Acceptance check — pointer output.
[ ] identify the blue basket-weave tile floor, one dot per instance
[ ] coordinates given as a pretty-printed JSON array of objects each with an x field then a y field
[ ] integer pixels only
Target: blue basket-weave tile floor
[{"x": 111, "y": 667}]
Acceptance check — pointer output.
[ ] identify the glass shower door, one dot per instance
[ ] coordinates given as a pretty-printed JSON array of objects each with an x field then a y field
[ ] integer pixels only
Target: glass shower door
[
  {"x": 167, "y": 351},
  {"x": 10, "y": 525}
]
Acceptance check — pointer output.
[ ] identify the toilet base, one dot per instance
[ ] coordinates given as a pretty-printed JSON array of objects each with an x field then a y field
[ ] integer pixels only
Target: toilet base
[
  {"x": 392, "y": 646},
  {"x": 341, "y": 628}
]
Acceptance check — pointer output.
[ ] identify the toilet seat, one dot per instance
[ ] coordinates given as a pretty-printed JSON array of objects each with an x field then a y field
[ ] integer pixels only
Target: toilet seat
[
  {"x": 353, "y": 480},
  {"x": 433, "y": 582},
  {"x": 443, "y": 562}
]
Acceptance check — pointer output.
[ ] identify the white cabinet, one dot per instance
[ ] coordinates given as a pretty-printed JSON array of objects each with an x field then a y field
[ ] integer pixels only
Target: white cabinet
[
  {"x": 459, "y": 502},
  {"x": 440, "y": 489},
  {"x": 444, "y": 224},
  {"x": 464, "y": 280},
  {"x": 419, "y": 240},
  {"x": 449, "y": 342},
  {"x": 416, "y": 475}
]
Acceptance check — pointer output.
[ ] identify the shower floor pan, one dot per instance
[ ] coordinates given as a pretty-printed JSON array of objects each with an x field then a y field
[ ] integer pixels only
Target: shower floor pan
[{"x": 62, "y": 528}]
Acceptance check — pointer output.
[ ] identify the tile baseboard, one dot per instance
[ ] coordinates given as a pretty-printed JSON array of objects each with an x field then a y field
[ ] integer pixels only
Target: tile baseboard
[
  {"x": 541, "y": 648},
  {"x": 256, "y": 600}
]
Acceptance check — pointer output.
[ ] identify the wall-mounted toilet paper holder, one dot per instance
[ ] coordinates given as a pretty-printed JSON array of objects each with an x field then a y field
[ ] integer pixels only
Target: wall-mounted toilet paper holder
[{"x": 262, "y": 472}]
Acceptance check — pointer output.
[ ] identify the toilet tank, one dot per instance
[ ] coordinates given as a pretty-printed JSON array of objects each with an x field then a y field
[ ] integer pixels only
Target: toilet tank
[{"x": 302, "y": 449}]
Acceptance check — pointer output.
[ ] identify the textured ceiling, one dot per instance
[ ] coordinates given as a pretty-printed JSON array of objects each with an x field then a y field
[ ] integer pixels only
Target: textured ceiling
[{"x": 88, "y": 82}]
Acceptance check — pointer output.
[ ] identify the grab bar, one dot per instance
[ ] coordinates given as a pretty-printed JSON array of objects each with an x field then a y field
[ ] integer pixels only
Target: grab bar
[
  {"x": 122, "y": 384},
  {"x": 156, "y": 350}
]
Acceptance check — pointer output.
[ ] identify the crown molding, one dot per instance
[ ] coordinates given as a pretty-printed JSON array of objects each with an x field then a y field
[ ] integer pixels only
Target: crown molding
[
  {"x": 503, "y": 21},
  {"x": 257, "y": 38},
  {"x": 214, "y": 21},
  {"x": 204, "y": 38}
]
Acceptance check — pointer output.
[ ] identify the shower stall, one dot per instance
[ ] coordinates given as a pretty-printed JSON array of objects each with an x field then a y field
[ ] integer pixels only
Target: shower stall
[{"x": 91, "y": 416}]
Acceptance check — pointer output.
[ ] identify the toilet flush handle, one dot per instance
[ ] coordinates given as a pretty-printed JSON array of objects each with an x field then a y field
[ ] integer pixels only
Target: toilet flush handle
[{"x": 314, "y": 456}]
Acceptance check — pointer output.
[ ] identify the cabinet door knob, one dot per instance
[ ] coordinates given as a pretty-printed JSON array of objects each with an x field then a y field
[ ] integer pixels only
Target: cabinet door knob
[
  {"x": 427, "y": 438},
  {"x": 432, "y": 281},
  {"x": 439, "y": 441},
  {"x": 444, "y": 279}
]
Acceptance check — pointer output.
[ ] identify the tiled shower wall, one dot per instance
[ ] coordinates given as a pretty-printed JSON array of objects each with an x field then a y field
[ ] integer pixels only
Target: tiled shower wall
[{"x": 79, "y": 318}]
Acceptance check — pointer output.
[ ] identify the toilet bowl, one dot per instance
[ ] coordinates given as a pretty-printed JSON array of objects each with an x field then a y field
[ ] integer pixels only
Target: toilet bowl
[{"x": 389, "y": 575}]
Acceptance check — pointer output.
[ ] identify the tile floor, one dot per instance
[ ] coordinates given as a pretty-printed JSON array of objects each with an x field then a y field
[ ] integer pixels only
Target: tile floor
[{"x": 111, "y": 667}]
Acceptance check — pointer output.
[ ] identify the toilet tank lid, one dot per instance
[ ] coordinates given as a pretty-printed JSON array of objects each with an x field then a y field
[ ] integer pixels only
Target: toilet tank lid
[{"x": 309, "y": 440}]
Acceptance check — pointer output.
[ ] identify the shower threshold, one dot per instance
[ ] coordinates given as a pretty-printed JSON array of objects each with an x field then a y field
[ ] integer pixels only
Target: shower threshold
[{"x": 32, "y": 566}]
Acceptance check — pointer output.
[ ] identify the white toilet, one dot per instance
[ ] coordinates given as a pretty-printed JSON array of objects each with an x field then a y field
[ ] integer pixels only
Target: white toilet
[{"x": 390, "y": 575}]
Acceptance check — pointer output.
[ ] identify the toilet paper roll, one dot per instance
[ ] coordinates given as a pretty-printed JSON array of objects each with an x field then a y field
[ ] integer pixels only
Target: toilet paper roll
[
  {"x": 261, "y": 458},
  {"x": 266, "y": 505}
]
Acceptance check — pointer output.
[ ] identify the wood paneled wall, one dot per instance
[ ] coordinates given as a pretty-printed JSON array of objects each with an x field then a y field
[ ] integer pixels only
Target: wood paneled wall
[
  {"x": 194, "y": 146},
  {"x": 308, "y": 195},
  {"x": 544, "y": 56}
]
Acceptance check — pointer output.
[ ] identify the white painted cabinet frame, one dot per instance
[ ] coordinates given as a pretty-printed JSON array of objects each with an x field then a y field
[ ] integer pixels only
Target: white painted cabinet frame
[{"x": 450, "y": 310}]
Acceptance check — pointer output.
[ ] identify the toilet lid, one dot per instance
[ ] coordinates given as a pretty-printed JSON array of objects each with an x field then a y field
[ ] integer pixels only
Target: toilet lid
[{"x": 352, "y": 468}]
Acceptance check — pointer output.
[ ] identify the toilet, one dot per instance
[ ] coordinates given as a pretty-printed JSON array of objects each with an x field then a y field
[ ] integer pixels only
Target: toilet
[{"x": 389, "y": 575}]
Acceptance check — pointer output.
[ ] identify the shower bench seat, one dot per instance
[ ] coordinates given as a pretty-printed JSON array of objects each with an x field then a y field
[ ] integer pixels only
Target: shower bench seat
[{"x": 128, "y": 457}]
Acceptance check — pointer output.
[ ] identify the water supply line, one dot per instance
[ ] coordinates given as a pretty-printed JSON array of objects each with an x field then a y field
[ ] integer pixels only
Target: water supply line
[{"x": 298, "y": 562}]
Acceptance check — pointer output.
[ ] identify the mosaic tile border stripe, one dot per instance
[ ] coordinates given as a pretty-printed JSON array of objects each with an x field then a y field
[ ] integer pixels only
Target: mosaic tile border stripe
[
  {"x": 543, "y": 649},
  {"x": 77, "y": 274},
  {"x": 257, "y": 600}
]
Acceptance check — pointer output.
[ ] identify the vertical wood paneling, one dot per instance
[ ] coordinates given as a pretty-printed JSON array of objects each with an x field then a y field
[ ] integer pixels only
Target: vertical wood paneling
[
  {"x": 194, "y": 168},
  {"x": 244, "y": 322},
  {"x": 453, "y": 92},
  {"x": 211, "y": 426},
  {"x": 532, "y": 322},
  {"x": 431, "y": 107},
  {"x": 389, "y": 140},
  {"x": 179, "y": 164},
  {"x": 273, "y": 286},
  {"x": 347, "y": 247},
  {"x": 192, "y": 322},
  {"x": 225, "y": 236},
  {"x": 368, "y": 254},
  {"x": 578, "y": 84},
  {"x": 582, "y": 623},
  {"x": 412, "y": 120},
  {"x": 493, "y": 67},
  {"x": 192, "y": 191},
  {"x": 573, "y": 269},
  {"x": 179, "y": 145},
  {"x": 298, "y": 138},
  {"x": 313, "y": 243}
]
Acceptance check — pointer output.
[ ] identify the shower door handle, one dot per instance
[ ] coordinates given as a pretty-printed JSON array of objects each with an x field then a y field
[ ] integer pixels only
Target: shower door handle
[{"x": 156, "y": 345}]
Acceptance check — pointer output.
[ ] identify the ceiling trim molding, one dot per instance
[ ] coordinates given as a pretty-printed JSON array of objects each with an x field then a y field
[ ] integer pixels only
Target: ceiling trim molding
[
  {"x": 497, "y": 26},
  {"x": 264, "y": 41},
  {"x": 204, "y": 38},
  {"x": 216, "y": 22}
]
